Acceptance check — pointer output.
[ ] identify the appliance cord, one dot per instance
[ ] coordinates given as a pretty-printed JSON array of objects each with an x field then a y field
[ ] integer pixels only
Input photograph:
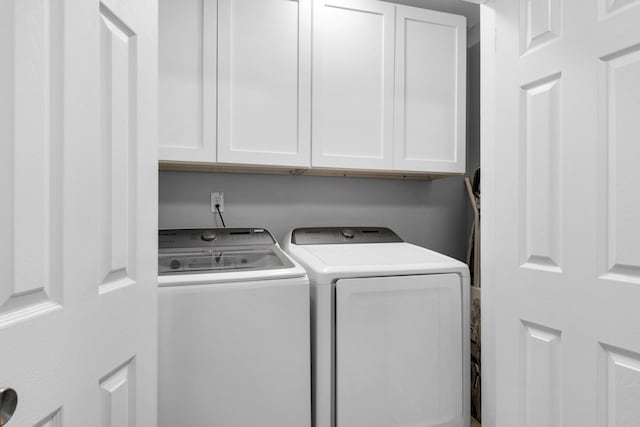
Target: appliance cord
[{"x": 220, "y": 214}]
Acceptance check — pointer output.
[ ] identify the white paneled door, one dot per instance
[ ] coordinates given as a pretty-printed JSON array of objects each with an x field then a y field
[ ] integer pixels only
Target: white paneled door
[
  {"x": 567, "y": 203},
  {"x": 78, "y": 84}
]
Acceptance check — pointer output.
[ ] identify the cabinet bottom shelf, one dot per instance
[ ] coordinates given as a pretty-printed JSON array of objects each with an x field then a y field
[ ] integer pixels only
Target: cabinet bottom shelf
[{"x": 290, "y": 170}]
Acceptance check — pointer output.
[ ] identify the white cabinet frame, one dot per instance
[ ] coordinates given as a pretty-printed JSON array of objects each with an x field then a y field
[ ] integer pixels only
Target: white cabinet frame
[
  {"x": 201, "y": 149},
  {"x": 430, "y": 142},
  {"x": 324, "y": 131},
  {"x": 249, "y": 148}
]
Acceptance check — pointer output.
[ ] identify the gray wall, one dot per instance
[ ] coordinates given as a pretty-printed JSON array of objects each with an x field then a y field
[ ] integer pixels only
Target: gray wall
[
  {"x": 427, "y": 213},
  {"x": 434, "y": 214}
]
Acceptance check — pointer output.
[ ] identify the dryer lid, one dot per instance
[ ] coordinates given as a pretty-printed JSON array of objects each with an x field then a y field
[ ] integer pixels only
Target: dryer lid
[{"x": 326, "y": 263}]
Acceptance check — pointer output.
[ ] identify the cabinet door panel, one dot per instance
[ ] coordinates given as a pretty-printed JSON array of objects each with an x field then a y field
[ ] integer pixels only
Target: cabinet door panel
[
  {"x": 430, "y": 91},
  {"x": 187, "y": 72},
  {"x": 353, "y": 84},
  {"x": 264, "y": 82}
]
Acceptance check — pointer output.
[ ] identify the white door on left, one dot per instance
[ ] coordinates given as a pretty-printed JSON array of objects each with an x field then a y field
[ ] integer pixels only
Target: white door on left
[{"x": 78, "y": 212}]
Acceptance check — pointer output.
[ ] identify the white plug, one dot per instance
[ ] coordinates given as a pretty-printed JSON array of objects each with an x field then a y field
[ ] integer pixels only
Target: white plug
[{"x": 217, "y": 198}]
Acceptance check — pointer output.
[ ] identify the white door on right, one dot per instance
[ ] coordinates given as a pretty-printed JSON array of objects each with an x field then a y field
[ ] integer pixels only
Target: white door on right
[
  {"x": 430, "y": 91},
  {"x": 567, "y": 204}
]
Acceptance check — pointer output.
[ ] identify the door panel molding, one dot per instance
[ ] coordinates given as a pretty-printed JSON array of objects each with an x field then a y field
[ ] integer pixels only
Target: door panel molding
[
  {"x": 540, "y": 23},
  {"x": 540, "y": 376},
  {"x": 31, "y": 159},
  {"x": 118, "y": 397},
  {"x": 608, "y": 8},
  {"x": 541, "y": 148},
  {"x": 619, "y": 387},
  {"x": 53, "y": 420},
  {"x": 618, "y": 170},
  {"x": 118, "y": 89}
]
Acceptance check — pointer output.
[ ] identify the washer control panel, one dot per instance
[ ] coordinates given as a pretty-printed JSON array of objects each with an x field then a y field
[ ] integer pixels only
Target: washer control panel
[
  {"x": 340, "y": 235},
  {"x": 211, "y": 250},
  {"x": 213, "y": 237}
]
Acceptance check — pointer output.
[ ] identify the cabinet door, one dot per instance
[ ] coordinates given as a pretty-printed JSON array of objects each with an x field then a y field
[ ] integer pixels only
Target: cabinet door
[
  {"x": 264, "y": 82},
  {"x": 353, "y": 84},
  {"x": 187, "y": 80},
  {"x": 430, "y": 91}
]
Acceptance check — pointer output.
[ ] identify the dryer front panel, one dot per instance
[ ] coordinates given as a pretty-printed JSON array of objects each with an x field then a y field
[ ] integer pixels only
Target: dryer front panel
[{"x": 399, "y": 351}]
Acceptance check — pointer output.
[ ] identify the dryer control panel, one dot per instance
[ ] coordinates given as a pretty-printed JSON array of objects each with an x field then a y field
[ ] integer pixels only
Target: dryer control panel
[{"x": 343, "y": 235}]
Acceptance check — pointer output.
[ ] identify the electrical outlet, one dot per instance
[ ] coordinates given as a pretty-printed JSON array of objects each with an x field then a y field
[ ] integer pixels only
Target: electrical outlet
[{"x": 217, "y": 198}]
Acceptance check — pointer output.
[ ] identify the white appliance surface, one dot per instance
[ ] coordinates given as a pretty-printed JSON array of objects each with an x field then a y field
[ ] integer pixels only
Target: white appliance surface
[
  {"x": 389, "y": 345},
  {"x": 326, "y": 263},
  {"x": 234, "y": 348},
  {"x": 398, "y": 349}
]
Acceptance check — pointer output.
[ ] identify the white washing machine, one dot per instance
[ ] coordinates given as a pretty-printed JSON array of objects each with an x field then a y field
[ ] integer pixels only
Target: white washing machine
[
  {"x": 390, "y": 334},
  {"x": 234, "y": 346}
]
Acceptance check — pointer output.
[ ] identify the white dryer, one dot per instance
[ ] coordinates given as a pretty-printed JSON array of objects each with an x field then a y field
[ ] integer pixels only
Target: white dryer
[
  {"x": 234, "y": 346},
  {"x": 390, "y": 334}
]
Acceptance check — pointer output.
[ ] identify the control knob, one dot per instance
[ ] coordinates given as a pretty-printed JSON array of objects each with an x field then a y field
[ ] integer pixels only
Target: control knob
[
  {"x": 208, "y": 236},
  {"x": 347, "y": 234}
]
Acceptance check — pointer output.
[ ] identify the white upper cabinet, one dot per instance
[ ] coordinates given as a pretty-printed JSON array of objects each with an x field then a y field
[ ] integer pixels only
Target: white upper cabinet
[
  {"x": 323, "y": 84},
  {"x": 430, "y": 91},
  {"x": 187, "y": 80},
  {"x": 353, "y": 44},
  {"x": 264, "y": 82}
]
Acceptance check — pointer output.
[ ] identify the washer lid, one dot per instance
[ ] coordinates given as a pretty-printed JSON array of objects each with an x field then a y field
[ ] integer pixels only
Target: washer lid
[
  {"x": 216, "y": 260},
  {"x": 325, "y": 263},
  {"x": 231, "y": 253}
]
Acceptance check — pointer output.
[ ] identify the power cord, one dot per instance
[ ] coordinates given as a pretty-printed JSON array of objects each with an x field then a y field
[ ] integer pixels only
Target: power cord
[{"x": 220, "y": 214}]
